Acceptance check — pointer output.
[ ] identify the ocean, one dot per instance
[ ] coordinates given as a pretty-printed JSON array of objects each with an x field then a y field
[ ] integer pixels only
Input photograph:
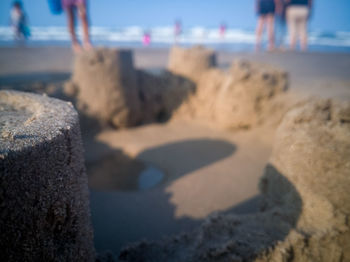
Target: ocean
[{"x": 163, "y": 36}]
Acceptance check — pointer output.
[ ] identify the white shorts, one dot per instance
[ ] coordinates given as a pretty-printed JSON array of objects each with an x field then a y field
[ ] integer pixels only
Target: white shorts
[{"x": 297, "y": 17}]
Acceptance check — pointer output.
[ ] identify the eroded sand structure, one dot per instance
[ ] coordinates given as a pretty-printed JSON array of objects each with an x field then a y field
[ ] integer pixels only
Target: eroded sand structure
[
  {"x": 44, "y": 204},
  {"x": 305, "y": 212},
  {"x": 111, "y": 90},
  {"x": 247, "y": 95},
  {"x": 106, "y": 84}
]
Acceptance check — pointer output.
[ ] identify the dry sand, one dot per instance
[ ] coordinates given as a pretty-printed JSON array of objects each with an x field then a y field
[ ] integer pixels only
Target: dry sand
[{"x": 206, "y": 170}]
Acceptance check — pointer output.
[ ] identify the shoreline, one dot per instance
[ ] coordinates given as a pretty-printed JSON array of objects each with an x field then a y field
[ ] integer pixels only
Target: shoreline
[{"x": 219, "y": 47}]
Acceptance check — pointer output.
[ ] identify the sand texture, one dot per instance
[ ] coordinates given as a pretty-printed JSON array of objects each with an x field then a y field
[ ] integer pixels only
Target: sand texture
[
  {"x": 305, "y": 208},
  {"x": 106, "y": 81},
  {"x": 247, "y": 95},
  {"x": 44, "y": 201},
  {"x": 162, "y": 94}
]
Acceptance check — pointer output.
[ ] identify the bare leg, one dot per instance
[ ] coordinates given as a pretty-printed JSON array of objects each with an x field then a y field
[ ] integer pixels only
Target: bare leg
[
  {"x": 303, "y": 34},
  {"x": 71, "y": 26},
  {"x": 271, "y": 31},
  {"x": 259, "y": 32},
  {"x": 291, "y": 28},
  {"x": 85, "y": 24}
]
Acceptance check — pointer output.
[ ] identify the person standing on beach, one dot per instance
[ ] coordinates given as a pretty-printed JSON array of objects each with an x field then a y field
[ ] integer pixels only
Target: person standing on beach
[
  {"x": 146, "y": 40},
  {"x": 265, "y": 10},
  {"x": 222, "y": 30},
  {"x": 298, "y": 12},
  {"x": 177, "y": 31},
  {"x": 19, "y": 21},
  {"x": 70, "y": 7},
  {"x": 280, "y": 23}
]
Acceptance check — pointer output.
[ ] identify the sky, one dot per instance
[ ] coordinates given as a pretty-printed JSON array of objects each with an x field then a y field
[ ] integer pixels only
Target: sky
[{"x": 328, "y": 15}]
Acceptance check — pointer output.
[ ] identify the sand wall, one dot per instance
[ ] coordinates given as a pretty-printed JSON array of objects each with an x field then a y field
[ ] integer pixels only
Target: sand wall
[
  {"x": 44, "y": 203},
  {"x": 162, "y": 94},
  {"x": 312, "y": 151}
]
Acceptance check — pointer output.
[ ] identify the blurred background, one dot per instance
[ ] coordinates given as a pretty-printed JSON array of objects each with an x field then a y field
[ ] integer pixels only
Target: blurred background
[{"x": 125, "y": 23}]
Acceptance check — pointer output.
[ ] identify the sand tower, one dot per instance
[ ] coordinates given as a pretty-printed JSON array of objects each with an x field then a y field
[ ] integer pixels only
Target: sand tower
[
  {"x": 44, "y": 205},
  {"x": 192, "y": 62},
  {"x": 106, "y": 81}
]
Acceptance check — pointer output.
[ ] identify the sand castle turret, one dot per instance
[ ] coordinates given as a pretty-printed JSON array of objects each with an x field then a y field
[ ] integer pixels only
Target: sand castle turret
[
  {"x": 312, "y": 152},
  {"x": 192, "y": 62},
  {"x": 44, "y": 204},
  {"x": 106, "y": 81}
]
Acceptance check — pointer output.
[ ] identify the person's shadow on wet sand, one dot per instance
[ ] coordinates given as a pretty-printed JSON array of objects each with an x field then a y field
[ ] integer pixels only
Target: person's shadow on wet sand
[
  {"x": 231, "y": 237},
  {"x": 122, "y": 212}
]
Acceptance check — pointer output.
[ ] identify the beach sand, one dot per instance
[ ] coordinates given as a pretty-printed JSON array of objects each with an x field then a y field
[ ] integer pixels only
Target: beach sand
[{"x": 205, "y": 170}]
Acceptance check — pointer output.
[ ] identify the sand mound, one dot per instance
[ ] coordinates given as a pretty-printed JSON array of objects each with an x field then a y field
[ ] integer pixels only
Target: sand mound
[
  {"x": 107, "y": 86},
  {"x": 305, "y": 210},
  {"x": 312, "y": 150},
  {"x": 44, "y": 204},
  {"x": 249, "y": 94},
  {"x": 191, "y": 63}
]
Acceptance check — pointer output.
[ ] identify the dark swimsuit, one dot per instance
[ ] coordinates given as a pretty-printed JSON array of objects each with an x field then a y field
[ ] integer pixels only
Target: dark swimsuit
[
  {"x": 266, "y": 7},
  {"x": 299, "y": 2}
]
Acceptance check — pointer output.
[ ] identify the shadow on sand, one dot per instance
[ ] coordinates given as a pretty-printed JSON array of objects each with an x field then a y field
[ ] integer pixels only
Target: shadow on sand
[
  {"x": 30, "y": 78},
  {"x": 122, "y": 214},
  {"x": 232, "y": 237}
]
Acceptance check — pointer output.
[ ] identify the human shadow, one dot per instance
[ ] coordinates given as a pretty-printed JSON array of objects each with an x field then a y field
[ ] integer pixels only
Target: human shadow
[
  {"x": 121, "y": 212},
  {"x": 49, "y": 83},
  {"x": 177, "y": 159},
  {"x": 25, "y": 78},
  {"x": 227, "y": 234}
]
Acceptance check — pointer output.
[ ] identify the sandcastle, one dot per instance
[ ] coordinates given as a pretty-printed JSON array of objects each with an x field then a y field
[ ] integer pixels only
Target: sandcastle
[
  {"x": 44, "y": 205},
  {"x": 305, "y": 209},
  {"x": 304, "y": 213},
  {"x": 111, "y": 90}
]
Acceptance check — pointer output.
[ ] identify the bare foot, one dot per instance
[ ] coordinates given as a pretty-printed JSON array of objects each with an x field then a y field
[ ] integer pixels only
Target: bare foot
[
  {"x": 87, "y": 45},
  {"x": 76, "y": 47},
  {"x": 257, "y": 48},
  {"x": 271, "y": 48}
]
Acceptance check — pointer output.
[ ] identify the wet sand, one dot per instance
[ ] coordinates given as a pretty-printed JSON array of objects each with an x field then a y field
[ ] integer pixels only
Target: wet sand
[{"x": 205, "y": 170}]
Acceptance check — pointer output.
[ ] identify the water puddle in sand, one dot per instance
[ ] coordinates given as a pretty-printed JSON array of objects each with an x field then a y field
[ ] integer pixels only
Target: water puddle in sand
[
  {"x": 118, "y": 172},
  {"x": 150, "y": 177}
]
